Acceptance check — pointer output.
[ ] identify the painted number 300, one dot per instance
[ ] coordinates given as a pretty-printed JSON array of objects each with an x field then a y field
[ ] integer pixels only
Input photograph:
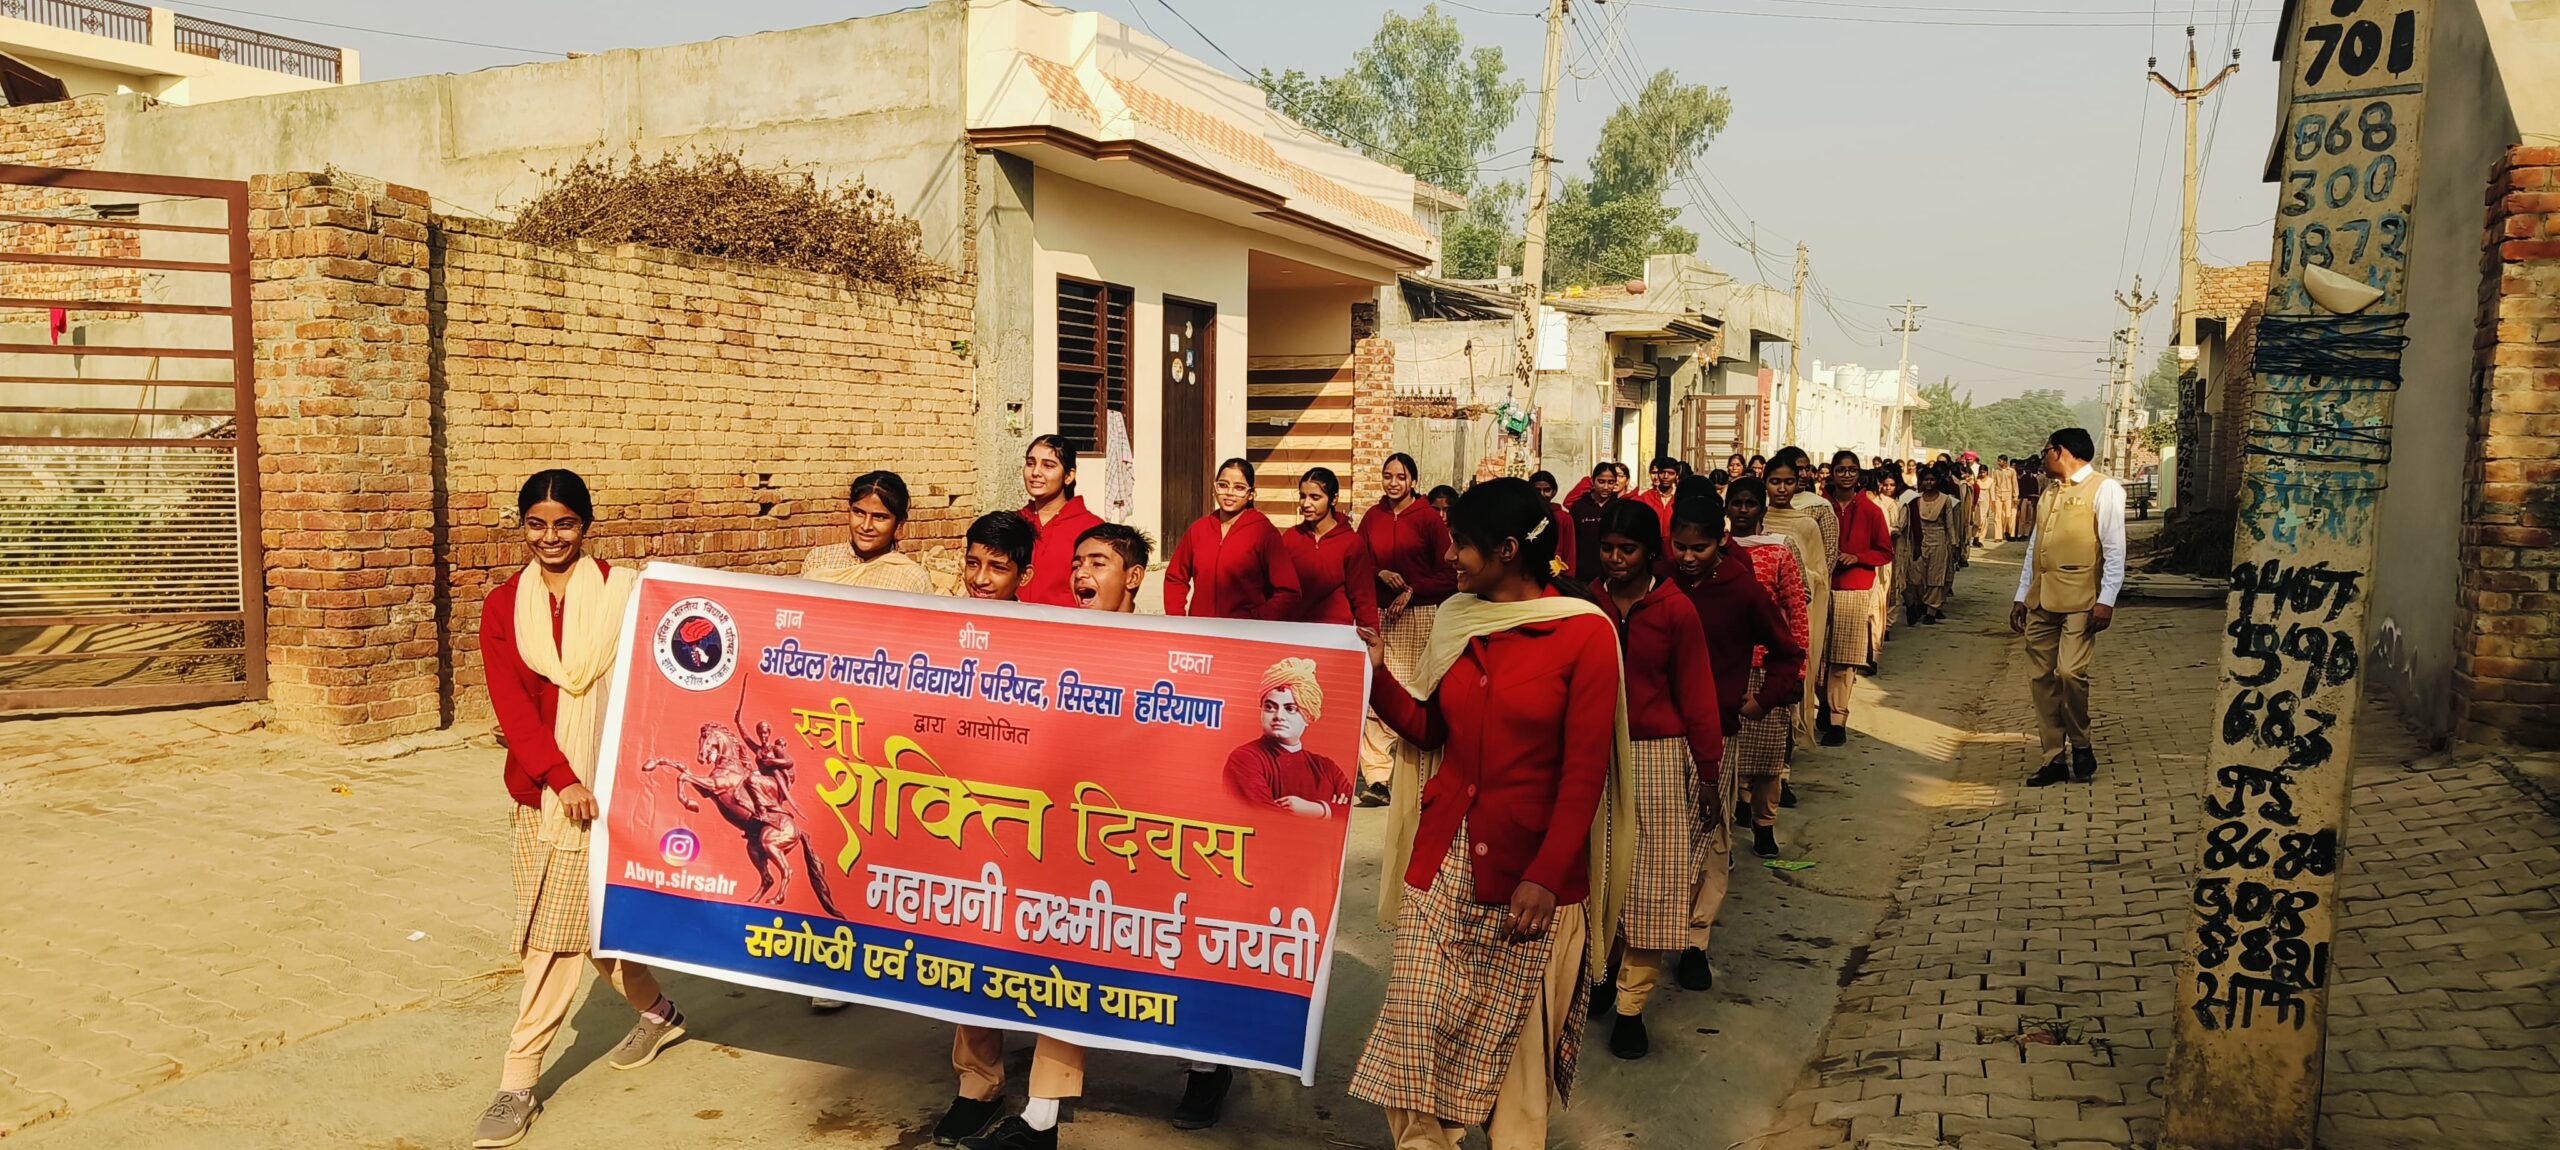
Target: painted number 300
[{"x": 2356, "y": 46}]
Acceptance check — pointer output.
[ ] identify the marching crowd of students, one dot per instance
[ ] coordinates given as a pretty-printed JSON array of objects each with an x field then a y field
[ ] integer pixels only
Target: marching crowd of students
[{"x": 1577, "y": 702}]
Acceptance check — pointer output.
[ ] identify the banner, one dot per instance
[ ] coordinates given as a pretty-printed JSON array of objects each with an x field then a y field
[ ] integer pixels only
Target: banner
[{"x": 1125, "y": 831}]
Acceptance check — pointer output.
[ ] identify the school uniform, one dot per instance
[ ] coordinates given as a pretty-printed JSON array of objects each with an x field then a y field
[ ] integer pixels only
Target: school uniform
[
  {"x": 1758, "y": 749},
  {"x": 1525, "y": 725},
  {"x": 1584, "y": 559},
  {"x": 1053, "y": 554},
  {"x": 1675, "y": 724},
  {"x": 1337, "y": 580},
  {"x": 1867, "y": 544},
  {"x": 1233, "y": 570},
  {"x": 1661, "y": 505},
  {"x": 1414, "y": 543},
  {"x": 891, "y": 571},
  {"x": 1755, "y": 655}
]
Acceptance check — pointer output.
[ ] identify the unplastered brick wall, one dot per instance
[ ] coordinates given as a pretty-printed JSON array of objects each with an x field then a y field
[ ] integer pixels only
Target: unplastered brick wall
[
  {"x": 60, "y": 134},
  {"x": 1373, "y": 410},
  {"x": 2507, "y": 634},
  {"x": 718, "y": 411}
]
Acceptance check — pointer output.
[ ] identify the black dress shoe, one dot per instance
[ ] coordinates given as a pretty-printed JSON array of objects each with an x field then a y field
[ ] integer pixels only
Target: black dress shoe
[
  {"x": 1013, "y": 1134},
  {"x": 1373, "y": 794},
  {"x": 1835, "y": 734},
  {"x": 965, "y": 1119},
  {"x": 1204, "y": 1094},
  {"x": 1787, "y": 795},
  {"x": 1764, "y": 842},
  {"x": 2084, "y": 763},
  {"x": 1604, "y": 994},
  {"x": 1628, "y": 1039},
  {"x": 2057, "y": 771},
  {"x": 1694, "y": 972}
]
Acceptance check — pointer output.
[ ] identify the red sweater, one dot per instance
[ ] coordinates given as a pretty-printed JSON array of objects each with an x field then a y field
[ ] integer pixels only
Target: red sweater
[
  {"x": 1413, "y": 543},
  {"x": 1523, "y": 760},
  {"x": 1744, "y": 626},
  {"x": 1671, "y": 678},
  {"x": 527, "y": 704},
  {"x": 1585, "y": 556},
  {"x": 1243, "y": 572},
  {"x": 1337, "y": 581},
  {"x": 1260, "y": 772},
  {"x": 1053, "y": 555},
  {"x": 1866, "y": 541},
  {"x": 1661, "y": 505}
]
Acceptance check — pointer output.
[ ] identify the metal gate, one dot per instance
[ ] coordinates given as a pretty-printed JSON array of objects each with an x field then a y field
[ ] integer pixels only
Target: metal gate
[
  {"x": 129, "y": 557},
  {"x": 1717, "y": 426}
]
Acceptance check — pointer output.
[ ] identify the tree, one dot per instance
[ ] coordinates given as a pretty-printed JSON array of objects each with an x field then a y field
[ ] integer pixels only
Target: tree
[
  {"x": 1416, "y": 98},
  {"x": 1947, "y": 422},
  {"x": 1604, "y": 226},
  {"x": 2015, "y": 427},
  {"x": 2160, "y": 388},
  {"x": 1476, "y": 243}
]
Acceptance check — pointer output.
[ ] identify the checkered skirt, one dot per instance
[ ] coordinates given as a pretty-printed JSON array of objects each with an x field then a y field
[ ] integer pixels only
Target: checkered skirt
[
  {"x": 1458, "y": 1000},
  {"x": 1853, "y": 628},
  {"x": 1404, "y": 640},
  {"x": 551, "y": 890},
  {"x": 1670, "y": 846},
  {"x": 1759, "y": 749}
]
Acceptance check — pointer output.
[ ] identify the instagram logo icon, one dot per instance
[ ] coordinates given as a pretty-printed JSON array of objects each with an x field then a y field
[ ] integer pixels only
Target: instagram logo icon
[{"x": 679, "y": 847}]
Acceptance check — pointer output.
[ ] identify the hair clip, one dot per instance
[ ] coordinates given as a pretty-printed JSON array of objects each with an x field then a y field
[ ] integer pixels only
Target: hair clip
[
  {"x": 1538, "y": 530},
  {"x": 1555, "y": 567}
]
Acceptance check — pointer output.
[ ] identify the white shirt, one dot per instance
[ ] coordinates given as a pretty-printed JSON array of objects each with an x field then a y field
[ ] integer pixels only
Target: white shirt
[{"x": 2109, "y": 503}]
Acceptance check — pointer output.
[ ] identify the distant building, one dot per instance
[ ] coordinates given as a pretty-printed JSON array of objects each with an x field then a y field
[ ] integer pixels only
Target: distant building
[{"x": 109, "y": 47}]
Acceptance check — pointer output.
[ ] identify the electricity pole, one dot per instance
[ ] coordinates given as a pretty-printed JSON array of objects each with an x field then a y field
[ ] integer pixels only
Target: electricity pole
[
  {"x": 1795, "y": 345},
  {"x": 1910, "y": 322},
  {"x": 2116, "y": 455},
  {"x": 2191, "y": 95},
  {"x": 1533, "y": 249}
]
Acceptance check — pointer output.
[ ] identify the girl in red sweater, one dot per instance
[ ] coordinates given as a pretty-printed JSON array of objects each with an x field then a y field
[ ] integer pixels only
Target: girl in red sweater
[
  {"x": 1049, "y": 478},
  {"x": 1676, "y": 729},
  {"x": 1232, "y": 563},
  {"x": 1866, "y": 546},
  {"x": 1337, "y": 581},
  {"x": 1505, "y": 870},
  {"x": 1410, "y": 547},
  {"x": 547, "y": 641}
]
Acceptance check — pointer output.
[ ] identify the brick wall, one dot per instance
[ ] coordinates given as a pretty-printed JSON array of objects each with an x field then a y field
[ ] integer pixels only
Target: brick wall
[
  {"x": 345, "y": 473},
  {"x": 718, "y": 411},
  {"x": 2506, "y": 666},
  {"x": 1373, "y": 411},
  {"x": 61, "y": 134}
]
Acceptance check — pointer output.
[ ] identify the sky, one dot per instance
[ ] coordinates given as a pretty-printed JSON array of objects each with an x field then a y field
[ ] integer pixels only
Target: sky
[{"x": 2005, "y": 164}]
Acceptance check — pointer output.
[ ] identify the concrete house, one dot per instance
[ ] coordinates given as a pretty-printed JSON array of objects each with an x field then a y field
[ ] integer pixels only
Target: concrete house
[
  {"x": 110, "y": 47},
  {"x": 1141, "y": 229}
]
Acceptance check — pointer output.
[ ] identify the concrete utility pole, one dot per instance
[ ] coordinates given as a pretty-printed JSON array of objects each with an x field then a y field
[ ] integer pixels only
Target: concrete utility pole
[
  {"x": 2191, "y": 96},
  {"x": 2253, "y": 975},
  {"x": 1795, "y": 345},
  {"x": 2115, "y": 456},
  {"x": 1910, "y": 322},
  {"x": 1533, "y": 248}
]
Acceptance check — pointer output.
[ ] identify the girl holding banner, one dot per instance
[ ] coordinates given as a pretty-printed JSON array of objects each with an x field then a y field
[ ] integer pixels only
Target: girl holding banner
[
  {"x": 1409, "y": 544},
  {"x": 1232, "y": 563},
  {"x": 1678, "y": 739},
  {"x": 1507, "y": 860},
  {"x": 547, "y": 642}
]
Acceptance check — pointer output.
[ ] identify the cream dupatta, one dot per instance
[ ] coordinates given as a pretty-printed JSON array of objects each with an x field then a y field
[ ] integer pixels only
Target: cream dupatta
[
  {"x": 590, "y": 631},
  {"x": 1461, "y": 620}
]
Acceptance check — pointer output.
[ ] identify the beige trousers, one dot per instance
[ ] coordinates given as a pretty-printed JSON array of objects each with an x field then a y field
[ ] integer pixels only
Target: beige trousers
[
  {"x": 1527, "y": 1097},
  {"x": 977, "y": 1052},
  {"x": 2058, "y": 651},
  {"x": 550, "y": 985},
  {"x": 1716, "y": 875}
]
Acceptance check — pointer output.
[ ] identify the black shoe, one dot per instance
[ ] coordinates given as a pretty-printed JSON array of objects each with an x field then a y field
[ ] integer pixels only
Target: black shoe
[
  {"x": 2084, "y": 764},
  {"x": 1835, "y": 734},
  {"x": 1373, "y": 794},
  {"x": 1013, "y": 1134},
  {"x": 1786, "y": 795},
  {"x": 1764, "y": 842},
  {"x": 1931, "y": 619},
  {"x": 2057, "y": 771},
  {"x": 1604, "y": 994},
  {"x": 1204, "y": 1094},
  {"x": 1742, "y": 814},
  {"x": 1694, "y": 972},
  {"x": 965, "y": 1119},
  {"x": 1628, "y": 1039}
]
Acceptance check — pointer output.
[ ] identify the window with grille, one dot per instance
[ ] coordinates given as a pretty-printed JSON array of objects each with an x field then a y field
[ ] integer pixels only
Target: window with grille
[{"x": 1093, "y": 360}]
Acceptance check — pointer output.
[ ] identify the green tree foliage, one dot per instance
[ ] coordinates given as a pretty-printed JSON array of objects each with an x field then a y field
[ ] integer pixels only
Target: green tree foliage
[
  {"x": 1416, "y": 98},
  {"x": 2015, "y": 427},
  {"x": 2160, "y": 388},
  {"x": 1480, "y": 241},
  {"x": 1604, "y": 225}
]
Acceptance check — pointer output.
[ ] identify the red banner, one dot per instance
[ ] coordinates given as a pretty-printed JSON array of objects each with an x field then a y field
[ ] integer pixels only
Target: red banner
[{"x": 1125, "y": 831}]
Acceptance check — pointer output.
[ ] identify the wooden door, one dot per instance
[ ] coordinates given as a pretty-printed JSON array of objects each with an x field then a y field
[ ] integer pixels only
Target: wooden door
[{"x": 1189, "y": 427}]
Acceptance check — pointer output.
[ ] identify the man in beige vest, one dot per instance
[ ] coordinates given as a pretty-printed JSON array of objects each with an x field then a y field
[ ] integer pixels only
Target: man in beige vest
[{"x": 2066, "y": 596}]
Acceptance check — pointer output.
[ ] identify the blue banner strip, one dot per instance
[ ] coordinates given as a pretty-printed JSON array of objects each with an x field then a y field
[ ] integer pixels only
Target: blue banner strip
[{"x": 1219, "y": 1022}]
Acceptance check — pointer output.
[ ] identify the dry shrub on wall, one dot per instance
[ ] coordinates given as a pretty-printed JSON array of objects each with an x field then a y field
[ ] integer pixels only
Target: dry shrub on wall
[{"x": 716, "y": 204}]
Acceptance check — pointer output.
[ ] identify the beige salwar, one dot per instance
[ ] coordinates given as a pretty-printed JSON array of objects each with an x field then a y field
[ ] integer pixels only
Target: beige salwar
[
  {"x": 1404, "y": 640},
  {"x": 977, "y": 1054},
  {"x": 551, "y": 938},
  {"x": 550, "y": 986}
]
